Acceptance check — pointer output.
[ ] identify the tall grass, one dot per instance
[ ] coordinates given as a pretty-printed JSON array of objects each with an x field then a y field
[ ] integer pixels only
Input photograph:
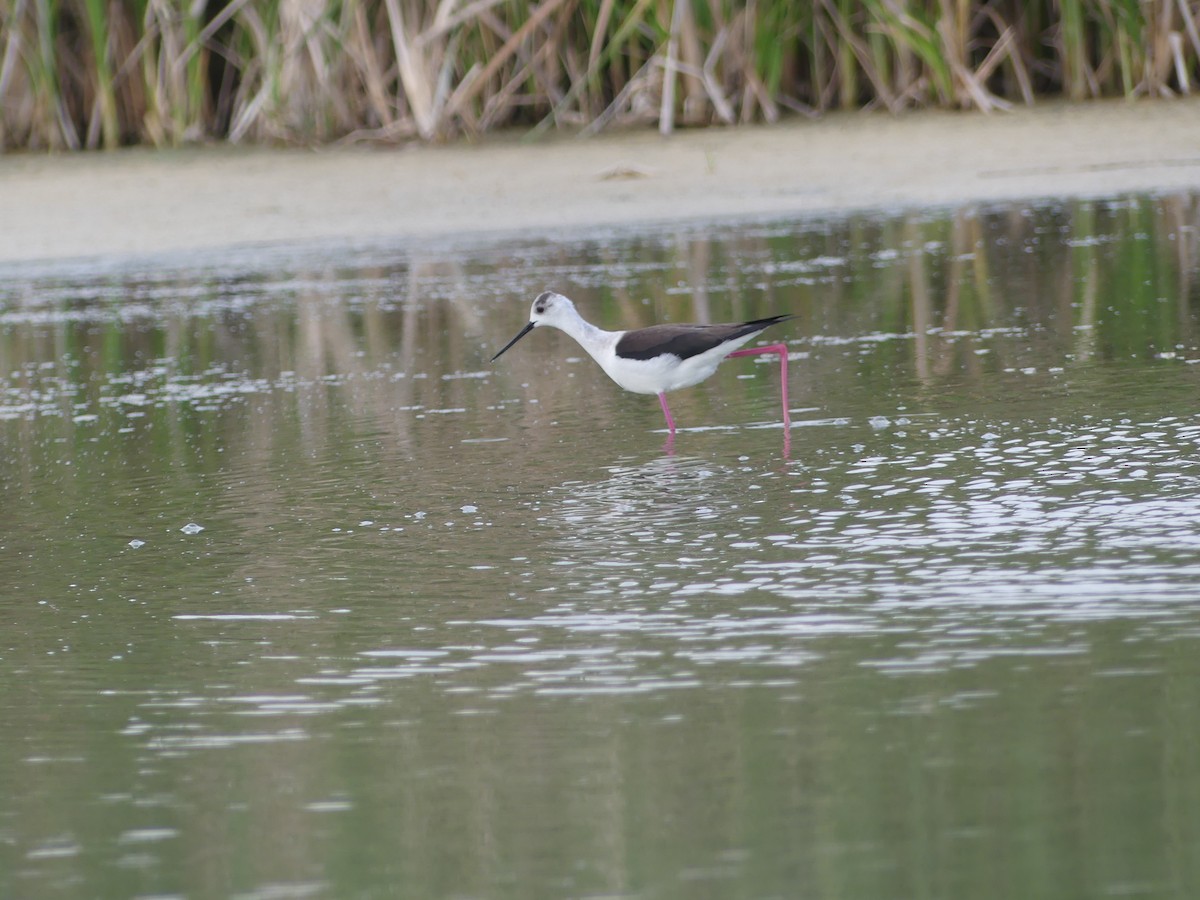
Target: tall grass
[{"x": 92, "y": 73}]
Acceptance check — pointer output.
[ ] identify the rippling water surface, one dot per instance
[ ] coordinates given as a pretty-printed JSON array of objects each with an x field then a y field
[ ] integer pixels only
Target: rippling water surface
[{"x": 304, "y": 598}]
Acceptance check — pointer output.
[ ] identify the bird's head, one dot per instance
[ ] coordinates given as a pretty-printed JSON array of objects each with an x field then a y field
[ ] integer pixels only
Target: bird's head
[{"x": 548, "y": 308}]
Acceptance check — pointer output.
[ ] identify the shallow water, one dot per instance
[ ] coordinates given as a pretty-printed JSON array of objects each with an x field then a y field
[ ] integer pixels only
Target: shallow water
[{"x": 304, "y": 598}]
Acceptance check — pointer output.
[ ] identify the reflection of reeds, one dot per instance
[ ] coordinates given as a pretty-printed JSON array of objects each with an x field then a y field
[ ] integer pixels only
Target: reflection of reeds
[
  {"x": 953, "y": 300},
  {"x": 90, "y": 73}
]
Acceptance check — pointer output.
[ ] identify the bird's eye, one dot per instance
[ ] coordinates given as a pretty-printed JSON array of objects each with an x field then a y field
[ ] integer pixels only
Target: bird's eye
[{"x": 541, "y": 308}]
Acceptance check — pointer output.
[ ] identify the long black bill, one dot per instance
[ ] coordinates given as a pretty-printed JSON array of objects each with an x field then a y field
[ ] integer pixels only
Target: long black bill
[{"x": 524, "y": 331}]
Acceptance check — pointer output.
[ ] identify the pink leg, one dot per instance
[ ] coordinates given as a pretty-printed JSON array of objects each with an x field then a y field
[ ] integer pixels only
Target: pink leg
[
  {"x": 662, "y": 398},
  {"x": 782, "y": 350}
]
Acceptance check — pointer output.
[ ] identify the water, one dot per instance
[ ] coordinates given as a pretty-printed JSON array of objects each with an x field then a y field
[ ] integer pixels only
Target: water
[{"x": 303, "y": 598}]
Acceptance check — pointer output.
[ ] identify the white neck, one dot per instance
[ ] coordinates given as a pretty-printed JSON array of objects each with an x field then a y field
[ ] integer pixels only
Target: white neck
[{"x": 587, "y": 335}]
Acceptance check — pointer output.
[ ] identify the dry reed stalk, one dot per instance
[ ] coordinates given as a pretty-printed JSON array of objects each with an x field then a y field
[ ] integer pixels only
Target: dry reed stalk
[
  {"x": 413, "y": 66},
  {"x": 371, "y": 71},
  {"x": 89, "y": 73},
  {"x": 712, "y": 86},
  {"x": 8, "y": 68},
  {"x": 1188, "y": 18},
  {"x": 666, "y": 111}
]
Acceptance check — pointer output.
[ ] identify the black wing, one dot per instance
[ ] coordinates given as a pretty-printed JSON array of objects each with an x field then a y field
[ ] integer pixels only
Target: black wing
[{"x": 685, "y": 341}]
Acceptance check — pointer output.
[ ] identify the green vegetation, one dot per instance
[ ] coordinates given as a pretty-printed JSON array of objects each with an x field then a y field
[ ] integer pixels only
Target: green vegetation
[{"x": 91, "y": 73}]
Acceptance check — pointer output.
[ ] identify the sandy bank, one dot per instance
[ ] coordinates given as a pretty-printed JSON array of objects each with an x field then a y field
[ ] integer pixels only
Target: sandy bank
[{"x": 138, "y": 203}]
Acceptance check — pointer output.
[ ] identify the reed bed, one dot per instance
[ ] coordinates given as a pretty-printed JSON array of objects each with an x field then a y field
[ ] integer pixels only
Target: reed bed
[{"x": 78, "y": 74}]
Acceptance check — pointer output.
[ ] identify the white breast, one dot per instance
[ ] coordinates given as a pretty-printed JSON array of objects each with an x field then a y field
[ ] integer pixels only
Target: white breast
[{"x": 663, "y": 373}]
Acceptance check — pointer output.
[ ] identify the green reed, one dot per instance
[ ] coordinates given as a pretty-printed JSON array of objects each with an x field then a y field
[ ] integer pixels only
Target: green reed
[{"x": 98, "y": 73}]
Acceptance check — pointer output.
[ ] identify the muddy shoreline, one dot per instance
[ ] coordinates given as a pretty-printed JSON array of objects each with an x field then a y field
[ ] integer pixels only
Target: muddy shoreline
[{"x": 139, "y": 204}]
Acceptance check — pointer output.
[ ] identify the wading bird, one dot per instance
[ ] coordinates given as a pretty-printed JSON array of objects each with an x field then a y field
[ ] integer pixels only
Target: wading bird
[{"x": 660, "y": 358}]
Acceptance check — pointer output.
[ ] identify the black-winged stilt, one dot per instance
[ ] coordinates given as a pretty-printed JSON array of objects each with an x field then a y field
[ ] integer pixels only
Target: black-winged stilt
[{"x": 660, "y": 358}]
